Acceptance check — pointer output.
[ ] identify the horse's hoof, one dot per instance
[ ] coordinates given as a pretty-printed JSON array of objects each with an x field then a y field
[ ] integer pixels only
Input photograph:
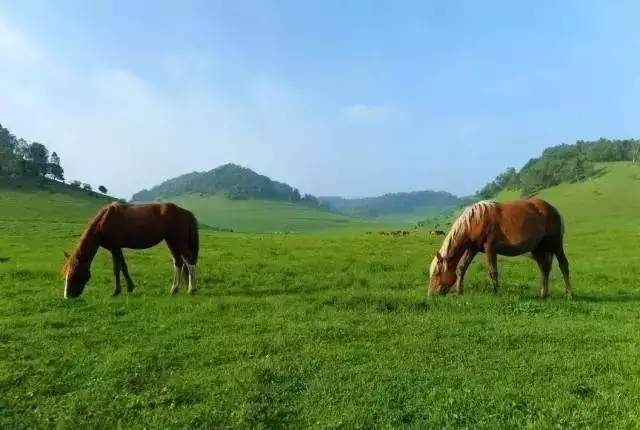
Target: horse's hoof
[
  {"x": 192, "y": 291},
  {"x": 116, "y": 293},
  {"x": 174, "y": 290}
]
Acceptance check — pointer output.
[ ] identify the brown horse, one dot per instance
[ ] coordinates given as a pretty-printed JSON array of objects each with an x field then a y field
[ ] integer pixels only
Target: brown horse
[
  {"x": 138, "y": 227},
  {"x": 513, "y": 228}
]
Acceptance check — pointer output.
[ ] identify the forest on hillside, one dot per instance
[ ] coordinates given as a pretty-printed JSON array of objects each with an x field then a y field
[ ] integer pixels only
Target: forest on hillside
[
  {"x": 562, "y": 163},
  {"x": 236, "y": 182},
  {"x": 23, "y": 161}
]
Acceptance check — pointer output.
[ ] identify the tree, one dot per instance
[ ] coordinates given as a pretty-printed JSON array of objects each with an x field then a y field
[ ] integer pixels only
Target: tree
[
  {"x": 635, "y": 151},
  {"x": 38, "y": 155},
  {"x": 87, "y": 187},
  {"x": 54, "y": 159},
  {"x": 7, "y": 140},
  {"x": 102, "y": 189},
  {"x": 54, "y": 169},
  {"x": 75, "y": 183},
  {"x": 295, "y": 195}
]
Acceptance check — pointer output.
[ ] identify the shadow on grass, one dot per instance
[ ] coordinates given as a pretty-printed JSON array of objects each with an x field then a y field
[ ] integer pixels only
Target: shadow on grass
[{"x": 4, "y": 259}]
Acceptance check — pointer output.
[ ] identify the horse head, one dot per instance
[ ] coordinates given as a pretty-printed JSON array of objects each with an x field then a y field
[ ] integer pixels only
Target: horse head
[
  {"x": 441, "y": 275},
  {"x": 75, "y": 275}
]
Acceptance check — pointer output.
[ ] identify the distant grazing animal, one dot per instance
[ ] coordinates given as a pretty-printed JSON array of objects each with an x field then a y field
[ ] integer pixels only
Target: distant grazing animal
[
  {"x": 437, "y": 233},
  {"x": 405, "y": 233},
  {"x": 514, "y": 228},
  {"x": 118, "y": 226}
]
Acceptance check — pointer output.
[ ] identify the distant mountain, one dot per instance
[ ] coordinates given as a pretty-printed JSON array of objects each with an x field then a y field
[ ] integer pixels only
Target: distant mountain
[
  {"x": 235, "y": 182},
  {"x": 417, "y": 202},
  {"x": 240, "y": 183}
]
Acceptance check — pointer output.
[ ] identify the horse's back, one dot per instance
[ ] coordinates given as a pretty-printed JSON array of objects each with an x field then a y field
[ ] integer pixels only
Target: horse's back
[
  {"x": 521, "y": 225},
  {"x": 143, "y": 225}
]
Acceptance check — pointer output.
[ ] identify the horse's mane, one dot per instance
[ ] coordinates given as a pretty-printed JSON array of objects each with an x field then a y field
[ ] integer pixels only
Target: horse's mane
[
  {"x": 460, "y": 228},
  {"x": 74, "y": 259}
]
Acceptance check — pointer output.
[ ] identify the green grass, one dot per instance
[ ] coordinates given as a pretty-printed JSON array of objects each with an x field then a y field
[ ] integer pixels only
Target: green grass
[
  {"x": 325, "y": 330},
  {"x": 415, "y": 216},
  {"x": 266, "y": 215}
]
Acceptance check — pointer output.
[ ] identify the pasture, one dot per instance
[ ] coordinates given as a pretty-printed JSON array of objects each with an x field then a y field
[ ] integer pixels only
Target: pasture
[{"x": 329, "y": 330}]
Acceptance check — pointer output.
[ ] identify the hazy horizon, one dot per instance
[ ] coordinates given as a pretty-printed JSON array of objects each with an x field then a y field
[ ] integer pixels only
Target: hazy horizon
[{"x": 354, "y": 100}]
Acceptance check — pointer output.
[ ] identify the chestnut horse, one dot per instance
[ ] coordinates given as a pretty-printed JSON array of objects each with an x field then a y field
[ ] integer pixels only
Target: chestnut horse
[
  {"x": 139, "y": 227},
  {"x": 513, "y": 228}
]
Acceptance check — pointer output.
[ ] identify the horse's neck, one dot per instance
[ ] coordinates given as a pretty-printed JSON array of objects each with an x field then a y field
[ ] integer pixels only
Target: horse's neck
[
  {"x": 456, "y": 250},
  {"x": 88, "y": 246}
]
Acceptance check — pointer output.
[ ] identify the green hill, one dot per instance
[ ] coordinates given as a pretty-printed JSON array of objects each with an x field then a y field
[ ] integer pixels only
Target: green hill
[
  {"x": 235, "y": 182},
  {"x": 612, "y": 197},
  {"x": 254, "y": 215},
  {"x": 562, "y": 164},
  {"x": 405, "y": 207},
  {"x": 53, "y": 202}
]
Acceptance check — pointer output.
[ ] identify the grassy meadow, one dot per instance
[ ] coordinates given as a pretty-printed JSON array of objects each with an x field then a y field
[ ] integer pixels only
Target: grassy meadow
[
  {"x": 266, "y": 215},
  {"x": 330, "y": 330}
]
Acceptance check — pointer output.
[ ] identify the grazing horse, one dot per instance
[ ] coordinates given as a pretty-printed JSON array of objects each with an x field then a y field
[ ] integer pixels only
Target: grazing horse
[
  {"x": 513, "y": 228},
  {"x": 118, "y": 226}
]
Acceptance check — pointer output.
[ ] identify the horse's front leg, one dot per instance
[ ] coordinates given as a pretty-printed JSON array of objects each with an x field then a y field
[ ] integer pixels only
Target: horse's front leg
[
  {"x": 492, "y": 265},
  {"x": 116, "y": 272},
  {"x": 125, "y": 272},
  {"x": 461, "y": 269}
]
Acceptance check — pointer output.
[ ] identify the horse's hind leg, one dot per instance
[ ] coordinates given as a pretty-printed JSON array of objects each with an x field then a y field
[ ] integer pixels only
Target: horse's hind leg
[
  {"x": 178, "y": 267},
  {"x": 191, "y": 270},
  {"x": 544, "y": 260},
  {"x": 189, "y": 261},
  {"x": 564, "y": 268},
  {"x": 178, "y": 275},
  {"x": 117, "y": 267}
]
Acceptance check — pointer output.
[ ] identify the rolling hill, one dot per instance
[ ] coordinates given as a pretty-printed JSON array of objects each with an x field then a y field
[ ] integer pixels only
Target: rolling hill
[
  {"x": 235, "y": 182},
  {"x": 52, "y": 202},
  {"x": 255, "y": 215},
  {"x": 235, "y": 197},
  {"x": 612, "y": 197},
  {"x": 401, "y": 207}
]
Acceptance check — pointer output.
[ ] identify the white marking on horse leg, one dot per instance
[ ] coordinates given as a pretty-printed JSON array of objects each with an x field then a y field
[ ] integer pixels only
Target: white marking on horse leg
[
  {"x": 66, "y": 285},
  {"x": 191, "y": 268},
  {"x": 177, "y": 277}
]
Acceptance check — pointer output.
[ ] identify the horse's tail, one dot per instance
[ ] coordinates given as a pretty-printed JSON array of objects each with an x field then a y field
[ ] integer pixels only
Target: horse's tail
[{"x": 194, "y": 238}]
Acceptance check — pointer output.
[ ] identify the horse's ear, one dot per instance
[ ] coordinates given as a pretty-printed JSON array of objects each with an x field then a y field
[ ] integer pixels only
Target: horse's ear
[{"x": 66, "y": 255}]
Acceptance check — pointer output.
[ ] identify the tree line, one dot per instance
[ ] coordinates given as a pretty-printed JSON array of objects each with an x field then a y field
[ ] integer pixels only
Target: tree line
[
  {"x": 24, "y": 160},
  {"x": 235, "y": 182},
  {"x": 562, "y": 163}
]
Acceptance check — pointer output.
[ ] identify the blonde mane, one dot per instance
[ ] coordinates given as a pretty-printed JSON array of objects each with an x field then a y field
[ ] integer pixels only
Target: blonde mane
[{"x": 459, "y": 228}]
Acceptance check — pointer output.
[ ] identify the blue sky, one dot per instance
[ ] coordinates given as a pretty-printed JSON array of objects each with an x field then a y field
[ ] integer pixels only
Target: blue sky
[{"x": 350, "y": 98}]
